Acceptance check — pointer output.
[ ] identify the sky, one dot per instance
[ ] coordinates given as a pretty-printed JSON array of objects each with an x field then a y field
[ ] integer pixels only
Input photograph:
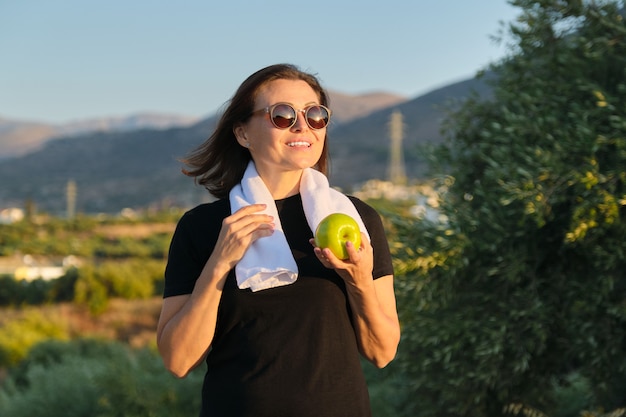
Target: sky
[{"x": 68, "y": 60}]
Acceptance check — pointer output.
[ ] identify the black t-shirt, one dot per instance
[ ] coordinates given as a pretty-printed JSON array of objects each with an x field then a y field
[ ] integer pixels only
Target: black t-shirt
[{"x": 289, "y": 351}]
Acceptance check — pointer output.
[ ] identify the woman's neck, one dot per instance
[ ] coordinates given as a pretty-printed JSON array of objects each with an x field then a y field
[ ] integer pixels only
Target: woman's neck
[{"x": 283, "y": 185}]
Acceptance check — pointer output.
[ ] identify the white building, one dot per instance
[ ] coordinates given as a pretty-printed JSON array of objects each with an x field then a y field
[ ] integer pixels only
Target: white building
[
  {"x": 30, "y": 268},
  {"x": 11, "y": 215}
]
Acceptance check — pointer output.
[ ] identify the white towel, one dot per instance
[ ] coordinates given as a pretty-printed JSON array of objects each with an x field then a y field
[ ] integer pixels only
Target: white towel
[{"x": 268, "y": 262}]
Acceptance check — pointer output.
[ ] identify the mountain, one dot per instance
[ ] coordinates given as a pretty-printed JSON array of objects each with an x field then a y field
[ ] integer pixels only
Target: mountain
[
  {"x": 139, "y": 168},
  {"x": 360, "y": 149},
  {"x": 350, "y": 107},
  {"x": 19, "y": 137},
  {"x": 112, "y": 170}
]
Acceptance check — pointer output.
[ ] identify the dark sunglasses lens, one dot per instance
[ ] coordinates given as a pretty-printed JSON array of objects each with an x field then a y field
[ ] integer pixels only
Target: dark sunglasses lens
[
  {"x": 283, "y": 116},
  {"x": 317, "y": 117}
]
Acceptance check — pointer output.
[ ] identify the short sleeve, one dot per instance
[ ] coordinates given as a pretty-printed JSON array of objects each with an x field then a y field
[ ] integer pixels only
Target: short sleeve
[
  {"x": 193, "y": 242},
  {"x": 383, "y": 265}
]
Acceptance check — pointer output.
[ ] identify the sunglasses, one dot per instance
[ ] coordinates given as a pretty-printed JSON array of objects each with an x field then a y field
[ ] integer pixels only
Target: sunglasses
[{"x": 284, "y": 115}]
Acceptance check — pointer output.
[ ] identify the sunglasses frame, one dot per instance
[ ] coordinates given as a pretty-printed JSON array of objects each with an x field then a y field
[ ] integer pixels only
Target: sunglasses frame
[{"x": 270, "y": 110}]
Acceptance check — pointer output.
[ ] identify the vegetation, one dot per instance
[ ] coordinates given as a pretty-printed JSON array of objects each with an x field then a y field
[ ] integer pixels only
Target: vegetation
[
  {"x": 512, "y": 301},
  {"x": 518, "y": 300},
  {"x": 18, "y": 335},
  {"x": 96, "y": 378},
  {"x": 120, "y": 258},
  {"x": 90, "y": 236}
]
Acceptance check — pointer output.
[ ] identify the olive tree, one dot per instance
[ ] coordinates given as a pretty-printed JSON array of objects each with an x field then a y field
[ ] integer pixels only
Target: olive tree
[{"x": 521, "y": 288}]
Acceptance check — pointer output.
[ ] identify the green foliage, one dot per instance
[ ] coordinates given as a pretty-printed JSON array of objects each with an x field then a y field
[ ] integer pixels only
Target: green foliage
[
  {"x": 129, "y": 279},
  {"x": 52, "y": 236},
  {"x": 113, "y": 264},
  {"x": 132, "y": 279},
  {"x": 17, "y": 337},
  {"x": 525, "y": 283},
  {"x": 386, "y": 389},
  {"x": 99, "y": 379},
  {"x": 89, "y": 290},
  {"x": 572, "y": 394},
  {"x": 36, "y": 292},
  {"x": 91, "y": 285},
  {"x": 51, "y": 352},
  {"x": 82, "y": 237}
]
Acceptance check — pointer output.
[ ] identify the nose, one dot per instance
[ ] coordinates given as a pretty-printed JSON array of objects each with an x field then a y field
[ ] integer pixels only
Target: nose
[{"x": 300, "y": 123}]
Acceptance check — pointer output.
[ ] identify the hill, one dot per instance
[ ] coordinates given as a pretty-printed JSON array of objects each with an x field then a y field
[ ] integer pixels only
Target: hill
[
  {"x": 113, "y": 170},
  {"x": 360, "y": 149},
  {"x": 20, "y": 137}
]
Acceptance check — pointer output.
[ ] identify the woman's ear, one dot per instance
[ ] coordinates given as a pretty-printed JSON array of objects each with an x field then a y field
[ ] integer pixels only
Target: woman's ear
[{"x": 240, "y": 133}]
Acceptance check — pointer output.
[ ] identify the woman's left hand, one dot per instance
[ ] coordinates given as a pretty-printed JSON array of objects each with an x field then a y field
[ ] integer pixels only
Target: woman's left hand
[
  {"x": 372, "y": 301},
  {"x": 357, "y": 269}
]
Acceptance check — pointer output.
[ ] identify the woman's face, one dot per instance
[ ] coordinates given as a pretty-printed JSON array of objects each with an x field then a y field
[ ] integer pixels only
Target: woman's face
[{"x": 277, "y": 150}]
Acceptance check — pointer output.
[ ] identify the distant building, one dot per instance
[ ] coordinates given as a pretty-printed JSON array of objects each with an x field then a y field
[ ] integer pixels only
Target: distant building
[
  {"x": 11, "y": 215},
  {"x": 424, "y": 197},
  {"x": 30, "y": 268}
]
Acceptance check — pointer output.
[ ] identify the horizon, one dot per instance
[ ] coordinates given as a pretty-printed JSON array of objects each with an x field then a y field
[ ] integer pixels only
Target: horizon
[{"x": 69, "y": 61}]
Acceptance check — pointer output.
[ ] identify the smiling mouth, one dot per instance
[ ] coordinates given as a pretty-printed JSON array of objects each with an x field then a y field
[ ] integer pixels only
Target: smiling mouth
[{"x": 299, "y": 144}]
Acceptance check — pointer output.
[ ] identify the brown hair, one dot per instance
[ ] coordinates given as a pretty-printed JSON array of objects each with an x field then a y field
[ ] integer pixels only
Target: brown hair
[{"x": 220, "y": 162}]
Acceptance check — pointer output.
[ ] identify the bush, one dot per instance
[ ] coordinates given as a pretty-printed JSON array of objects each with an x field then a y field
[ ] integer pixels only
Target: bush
[
  {"x": 9, "y": 290},
  {"x": 17, "y": 337},
  {"x": 129, "y": 279},
  {"x": 99, "y": 379}
]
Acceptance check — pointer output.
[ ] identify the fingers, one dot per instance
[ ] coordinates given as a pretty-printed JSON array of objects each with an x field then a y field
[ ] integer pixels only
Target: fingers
[
  {"x": 242, "y": 228},
  {"x": 253, "y": 228},
  {"x": 248, "y": 219},
  {"x": 329, "y": 260},
  {"x": 355, "y": 270},
  {"x": 353, "y": 252},
  {"x": 246, "y": 212}
]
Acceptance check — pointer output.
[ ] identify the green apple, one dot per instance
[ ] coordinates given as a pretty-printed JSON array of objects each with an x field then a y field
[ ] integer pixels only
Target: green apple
[{"x": 334, "y": 231}]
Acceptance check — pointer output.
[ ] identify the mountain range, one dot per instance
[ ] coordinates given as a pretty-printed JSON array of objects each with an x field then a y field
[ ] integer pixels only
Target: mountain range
[
  {"x": 20, "y": 137},
  {"x": 115, "y": 167}
]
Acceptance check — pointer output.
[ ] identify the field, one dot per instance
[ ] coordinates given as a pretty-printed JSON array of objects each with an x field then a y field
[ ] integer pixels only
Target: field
[{"x": 129, "y": 321}]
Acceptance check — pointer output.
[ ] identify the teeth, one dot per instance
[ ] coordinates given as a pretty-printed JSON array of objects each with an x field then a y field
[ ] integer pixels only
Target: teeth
[{"x": 299, "y": 144}]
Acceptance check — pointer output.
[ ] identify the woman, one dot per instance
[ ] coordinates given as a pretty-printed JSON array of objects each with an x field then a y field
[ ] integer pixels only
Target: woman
[{"x": 290, "y": 347}]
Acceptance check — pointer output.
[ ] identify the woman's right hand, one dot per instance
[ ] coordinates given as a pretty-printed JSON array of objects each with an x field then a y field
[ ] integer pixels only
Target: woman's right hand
[
  {"x": 187, "y": 322},
  {"x": 239, "y": 231}
]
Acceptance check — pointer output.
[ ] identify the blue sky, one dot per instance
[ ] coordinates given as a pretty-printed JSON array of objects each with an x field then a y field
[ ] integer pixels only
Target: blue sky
[{"x": 66, "y": 60}]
